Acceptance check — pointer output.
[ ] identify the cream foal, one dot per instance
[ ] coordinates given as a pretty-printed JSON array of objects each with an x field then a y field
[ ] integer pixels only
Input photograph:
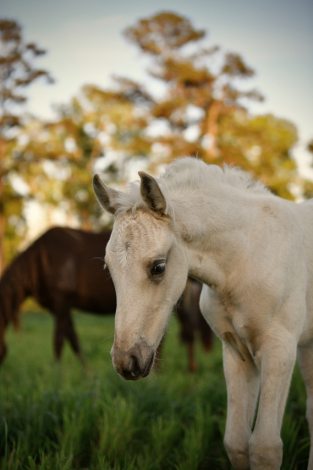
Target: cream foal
[{"x": 253, "y": 251}]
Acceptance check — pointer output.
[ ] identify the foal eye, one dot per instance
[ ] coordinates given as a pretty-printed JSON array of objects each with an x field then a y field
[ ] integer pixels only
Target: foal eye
[{"x": 158, "y": 268}]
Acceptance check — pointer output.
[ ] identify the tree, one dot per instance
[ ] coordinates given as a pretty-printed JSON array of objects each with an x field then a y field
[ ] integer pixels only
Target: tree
[
  {"x": 203, "y": 111},
  {"x": 204, "y": 107},
  {"x": 308, "y": 185},
  {"x": 94, "y": 127},
  {"x": 17, "y": 71}
]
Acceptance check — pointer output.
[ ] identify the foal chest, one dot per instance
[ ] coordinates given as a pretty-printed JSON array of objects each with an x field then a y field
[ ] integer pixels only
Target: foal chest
[{"x": 231, "y": 325}]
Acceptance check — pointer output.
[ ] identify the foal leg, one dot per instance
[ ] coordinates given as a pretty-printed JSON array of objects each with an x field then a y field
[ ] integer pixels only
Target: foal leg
[
  {"x": 305, "y": 355},
  {"x": 277, "y": 357},
  {"x": 242, "y": 382}
]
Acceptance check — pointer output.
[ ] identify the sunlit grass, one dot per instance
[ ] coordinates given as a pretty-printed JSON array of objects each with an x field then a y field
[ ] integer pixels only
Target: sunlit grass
[{"x": 60, "y": 417}]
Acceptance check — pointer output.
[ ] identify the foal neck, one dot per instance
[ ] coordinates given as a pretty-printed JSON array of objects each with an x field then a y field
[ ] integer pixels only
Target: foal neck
[{"x": 216, "y": 229}]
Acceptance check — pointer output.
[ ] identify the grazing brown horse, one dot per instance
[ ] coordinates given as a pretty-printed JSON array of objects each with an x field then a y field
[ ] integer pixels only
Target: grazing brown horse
[{"x": 63, "y": 269}]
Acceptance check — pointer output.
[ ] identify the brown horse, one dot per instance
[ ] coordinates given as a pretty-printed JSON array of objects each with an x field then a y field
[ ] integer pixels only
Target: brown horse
[{"x": 63, "y": 269}]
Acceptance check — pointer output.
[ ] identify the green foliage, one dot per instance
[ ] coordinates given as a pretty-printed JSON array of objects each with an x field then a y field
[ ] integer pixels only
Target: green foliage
[
  {"x": 17, "y": 72},
  {"x": 205, "y": 106},
  {"x": 108, "y": 130},
  {"x": 57, "y": 417},
  {"x": 163, "y": 32},
  {"x": 88, "y": 129},
  {"x": 260, "y": 145},
  {"x": 203, "y": 111}
]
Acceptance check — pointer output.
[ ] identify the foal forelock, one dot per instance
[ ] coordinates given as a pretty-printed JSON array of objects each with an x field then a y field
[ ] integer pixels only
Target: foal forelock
[{"x": 134, "y": 234}]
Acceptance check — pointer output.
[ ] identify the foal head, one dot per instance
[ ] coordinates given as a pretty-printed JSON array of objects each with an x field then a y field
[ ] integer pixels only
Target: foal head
[{"x": 149, "y": 269}]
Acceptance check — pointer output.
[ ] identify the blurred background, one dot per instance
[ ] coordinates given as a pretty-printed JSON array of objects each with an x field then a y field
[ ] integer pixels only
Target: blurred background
[{"x": 113, "y": 87}]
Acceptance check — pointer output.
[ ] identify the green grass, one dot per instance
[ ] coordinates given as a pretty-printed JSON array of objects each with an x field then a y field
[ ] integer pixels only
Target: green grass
[{"x": 60, "y": 418}]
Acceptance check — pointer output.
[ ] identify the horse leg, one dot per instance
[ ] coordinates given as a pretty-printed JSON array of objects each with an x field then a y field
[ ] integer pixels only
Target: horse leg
[
  {"x": 186, "y": 317},
  {"x": 206, "y": 333},
  {"x": 64, "y": 328},
  {"x": 276, "y": 358},
  {"x": 192, "y": 365},
  {"x": 242, "y": 383},
  {"x": 306, "y": 365},
  {"x": 59, "y": 335},
  {"x": 72, "y": 337}
]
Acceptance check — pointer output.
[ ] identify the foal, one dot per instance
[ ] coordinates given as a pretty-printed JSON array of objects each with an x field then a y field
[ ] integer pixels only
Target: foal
[{"x": 254, "y": 252}]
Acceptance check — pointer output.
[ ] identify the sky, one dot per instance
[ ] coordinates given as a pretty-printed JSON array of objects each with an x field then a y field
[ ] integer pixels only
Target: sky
[{"x": 85, "y": 45}]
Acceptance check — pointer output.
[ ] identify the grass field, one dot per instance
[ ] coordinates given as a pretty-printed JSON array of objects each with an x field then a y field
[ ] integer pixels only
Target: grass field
[{"x": 60, "y": 418}]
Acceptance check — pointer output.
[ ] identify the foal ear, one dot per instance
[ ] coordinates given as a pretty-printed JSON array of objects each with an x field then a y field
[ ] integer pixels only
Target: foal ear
[
  {"x": 106, "y": 196},
  {"x": 152, "y": 194}
]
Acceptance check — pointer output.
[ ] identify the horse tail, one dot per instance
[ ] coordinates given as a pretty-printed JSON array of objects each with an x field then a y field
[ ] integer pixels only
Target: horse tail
[
  {"x": 8, "y": 288},
  {"x": 15, "y": 286}
]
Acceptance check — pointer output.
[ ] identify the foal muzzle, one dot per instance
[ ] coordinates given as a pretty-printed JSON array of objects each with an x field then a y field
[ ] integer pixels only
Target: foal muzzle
[{"x": 135, "y": 363}]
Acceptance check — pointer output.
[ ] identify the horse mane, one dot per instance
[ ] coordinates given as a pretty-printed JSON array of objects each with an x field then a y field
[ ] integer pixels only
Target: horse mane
[
  {"x": 189, "y": 173},
  {"x": 192, "y": 172}
]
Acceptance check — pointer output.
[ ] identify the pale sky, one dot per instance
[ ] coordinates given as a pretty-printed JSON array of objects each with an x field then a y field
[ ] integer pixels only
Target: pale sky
[{"x": 85, "y": 45}]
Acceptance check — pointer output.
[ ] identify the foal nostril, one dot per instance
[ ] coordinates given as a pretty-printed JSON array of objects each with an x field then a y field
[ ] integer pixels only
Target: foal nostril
[
  {"x": 134, "y": 363},
  {"x": 135, "y": 367},
  {"x": 132, "y": 369}
]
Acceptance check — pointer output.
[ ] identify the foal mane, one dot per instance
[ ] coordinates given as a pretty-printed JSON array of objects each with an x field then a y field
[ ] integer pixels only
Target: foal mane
[{"x": 191, "y": 173}]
